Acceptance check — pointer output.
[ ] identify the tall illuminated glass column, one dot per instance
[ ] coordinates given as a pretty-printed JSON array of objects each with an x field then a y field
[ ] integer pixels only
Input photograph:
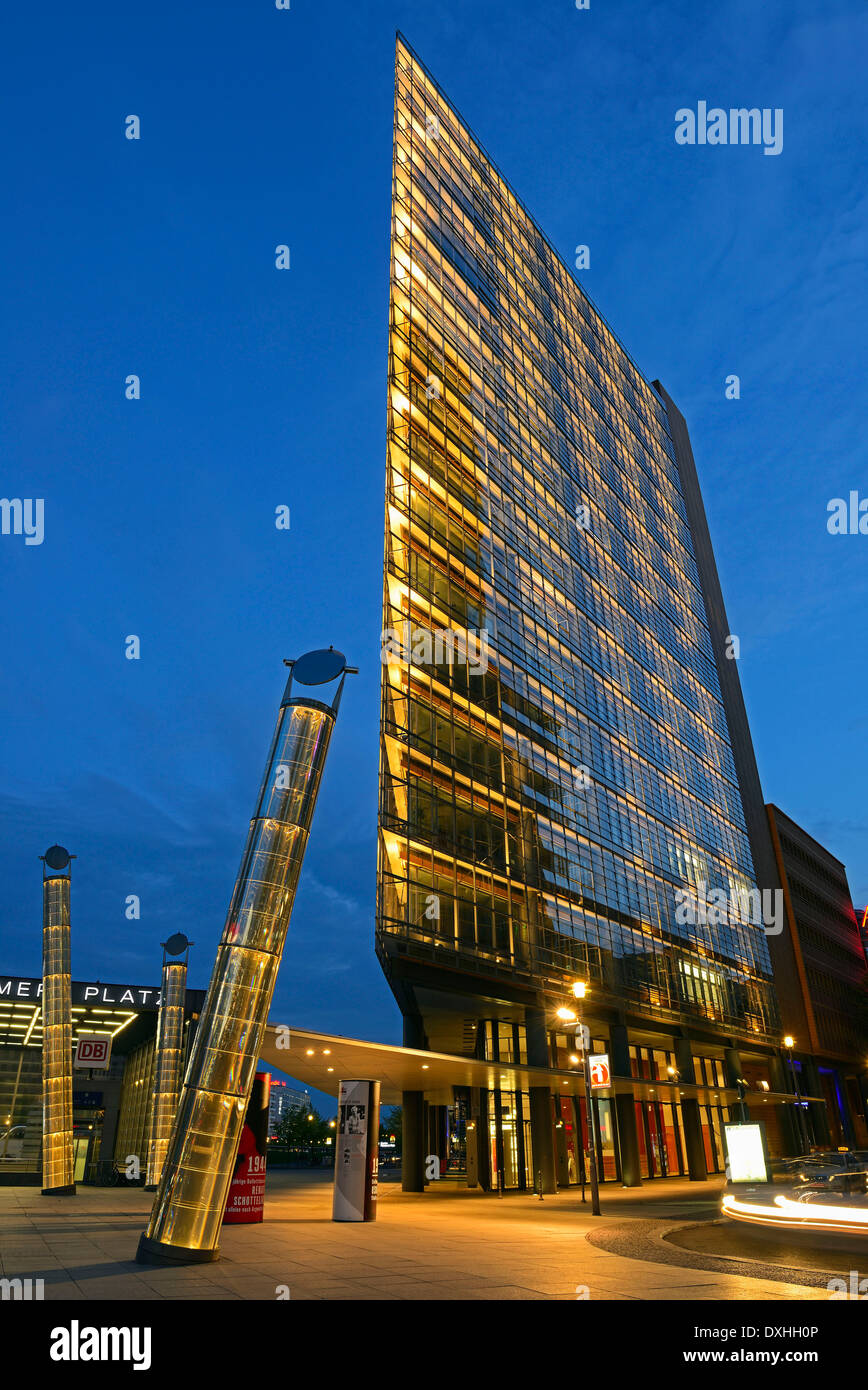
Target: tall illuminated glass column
[
  {"x": 169, "y": 1054},
  {"x": 58, "y": 1172},
  {"x": 191, "y": 1196}
]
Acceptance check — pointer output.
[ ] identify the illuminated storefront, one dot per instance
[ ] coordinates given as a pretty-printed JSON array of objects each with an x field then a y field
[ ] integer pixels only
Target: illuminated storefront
[{"x": 111, "y": 1108}]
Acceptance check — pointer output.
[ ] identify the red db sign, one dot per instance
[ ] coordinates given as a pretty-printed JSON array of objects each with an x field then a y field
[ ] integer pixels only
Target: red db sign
[
  {"x": 92, "y": 1050},
  {"x": 600, "y": 1074}
]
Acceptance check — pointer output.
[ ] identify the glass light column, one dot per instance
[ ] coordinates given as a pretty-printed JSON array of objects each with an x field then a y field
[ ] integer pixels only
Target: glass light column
[
  {"x": 191, "y": 1196},
  {"x": 169, "y": 1064},
  {"x": 58, "y": 1173}
]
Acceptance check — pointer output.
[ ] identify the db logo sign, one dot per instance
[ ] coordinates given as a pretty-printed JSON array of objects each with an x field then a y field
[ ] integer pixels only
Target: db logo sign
[
  {"x": 92, "y": 1050},
  {"x": 600, "y": 1073}
]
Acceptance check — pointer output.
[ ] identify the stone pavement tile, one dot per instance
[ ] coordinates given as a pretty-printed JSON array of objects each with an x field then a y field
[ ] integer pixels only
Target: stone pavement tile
[
  {"x": 61, "y": 1247},
  {"x": 324, "y": 1281},
  {"x": 502, "y": 1293},
  {"x": 113, "y": 1289},
  {"x": 213, "y": 1294},
  {"x": 676, "y": 1289},
  {"x": 386, "y": 1285},
  {"x": 350, "y": 1269},
  {"x": 278, "y": 1270},
  {"x": 653, "y": 1276},
  {"x": 83, "y": 1260},
  {"x": 29, "y": 1268},
  {"x": 430, "y": 1275},
  {"x": 449, "y": 1283},
  {"x": 251, "y": 1260},
  {"x": 762, "y": 1289},
  {"x": 690, "y": 1293},
  {"x": 610, "y": 1296},
  {"x": 193, "y": 1293},
  {"x": 98, "y": 1270},
  {"x": 338, "y": 1292},
  {"x": 253, "y": 1286},
  {"x": 417, "y": 1290},
  {"x": 169, "y": 1288},
  {"x": 481, "y": 1288}
]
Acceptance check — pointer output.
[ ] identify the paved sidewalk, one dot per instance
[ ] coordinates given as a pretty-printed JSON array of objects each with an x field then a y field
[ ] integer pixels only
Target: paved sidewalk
[{"x": 447, "y": 1243}]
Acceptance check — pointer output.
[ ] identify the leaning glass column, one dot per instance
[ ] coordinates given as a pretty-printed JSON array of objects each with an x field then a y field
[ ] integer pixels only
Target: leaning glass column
[
  {"x": 58, "y": 1170},
  {"x": 191, "y": 1197},
  {"x": 169, "y": 1064}
]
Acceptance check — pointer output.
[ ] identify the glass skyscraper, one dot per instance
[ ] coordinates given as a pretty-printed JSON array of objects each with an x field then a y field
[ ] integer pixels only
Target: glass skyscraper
[{"x": 559, "y": 793}]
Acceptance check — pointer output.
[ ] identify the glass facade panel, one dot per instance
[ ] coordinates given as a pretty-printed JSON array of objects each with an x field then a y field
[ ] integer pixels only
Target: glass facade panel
[
  {"x": 559, "y": 797},
  {"x": 556, "y": 763}
]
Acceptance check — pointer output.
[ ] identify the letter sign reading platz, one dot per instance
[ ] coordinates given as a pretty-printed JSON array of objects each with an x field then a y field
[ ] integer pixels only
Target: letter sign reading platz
[
  {"x": 600, "y": 1074},
  {"x": 93, "y": 1050}
]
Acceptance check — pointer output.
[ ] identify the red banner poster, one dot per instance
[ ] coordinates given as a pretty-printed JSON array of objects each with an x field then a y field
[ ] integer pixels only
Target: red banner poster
[{"x": 247, "y": 1191}]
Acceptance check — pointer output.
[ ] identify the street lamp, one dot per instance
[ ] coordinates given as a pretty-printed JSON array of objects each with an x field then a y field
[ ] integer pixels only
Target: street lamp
[
  {"x": 789, "y": 1044},
  {"x": 580, "y": 989},
  {"x": 741, "y": 1085}
]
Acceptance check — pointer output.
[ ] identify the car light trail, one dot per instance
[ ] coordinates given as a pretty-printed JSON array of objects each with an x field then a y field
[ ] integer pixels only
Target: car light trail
[{"x": 787, "y": 1214}]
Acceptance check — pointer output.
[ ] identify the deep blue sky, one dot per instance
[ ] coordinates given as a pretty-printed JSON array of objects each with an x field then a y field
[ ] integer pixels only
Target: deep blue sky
[{"x": 262, "y": 387}]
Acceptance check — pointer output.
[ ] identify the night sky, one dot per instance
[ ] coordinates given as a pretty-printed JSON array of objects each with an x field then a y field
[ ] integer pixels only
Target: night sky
[{"x": 262, "y": 387}]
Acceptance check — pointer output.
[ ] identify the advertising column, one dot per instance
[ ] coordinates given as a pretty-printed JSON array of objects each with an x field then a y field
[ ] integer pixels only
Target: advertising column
[
  {"x": 356, "y": 1156},
  {"x": 246, "y": 1199}
]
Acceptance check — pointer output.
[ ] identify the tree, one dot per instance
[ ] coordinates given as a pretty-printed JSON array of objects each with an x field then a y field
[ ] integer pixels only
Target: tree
[
  {"x": 302, "y": 1128},
  {"x": 391, "y": 1125}
]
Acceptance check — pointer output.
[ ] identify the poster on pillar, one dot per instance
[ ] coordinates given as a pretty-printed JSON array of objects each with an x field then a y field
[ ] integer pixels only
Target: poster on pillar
[
  {"x": 244, "y": 1204},
  {"x": 356, "y": 1152}
]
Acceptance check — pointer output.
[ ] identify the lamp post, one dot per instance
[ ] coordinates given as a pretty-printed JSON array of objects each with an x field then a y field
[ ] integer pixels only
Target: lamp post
[
  {"x": 58, "y": 1161},
  {"x": 789, "y": 1044},
  {"x": 169, "y": 1056},
  {"x": 569, "y": 1016},
  {"x": 742, "y": 1093}
]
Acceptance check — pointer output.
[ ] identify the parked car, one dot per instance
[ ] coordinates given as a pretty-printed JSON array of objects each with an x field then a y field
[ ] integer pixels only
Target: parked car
[
  {"x": 834, "y": 1187},
  {"x": 818, "y": 1167}
]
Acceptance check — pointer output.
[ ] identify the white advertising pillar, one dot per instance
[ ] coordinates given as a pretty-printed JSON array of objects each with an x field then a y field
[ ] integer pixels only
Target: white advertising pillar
[{"x": 357, "y": 1152}]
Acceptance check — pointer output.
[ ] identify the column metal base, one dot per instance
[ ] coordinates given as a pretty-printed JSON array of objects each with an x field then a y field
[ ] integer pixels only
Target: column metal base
[
  {"x": 151, "y": 1186},
  {"x": 154, "y": 1252},
  {"x": 68, "y": 1191}
]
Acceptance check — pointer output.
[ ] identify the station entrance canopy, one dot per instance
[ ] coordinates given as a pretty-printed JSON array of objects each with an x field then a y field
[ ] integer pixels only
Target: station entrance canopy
[{"x": 322, "y": 1060}]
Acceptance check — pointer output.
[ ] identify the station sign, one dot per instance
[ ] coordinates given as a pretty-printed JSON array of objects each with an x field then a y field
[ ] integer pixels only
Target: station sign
[
  {"x": 92, "y": 1050},
  {"x": 13, "y": 987}
]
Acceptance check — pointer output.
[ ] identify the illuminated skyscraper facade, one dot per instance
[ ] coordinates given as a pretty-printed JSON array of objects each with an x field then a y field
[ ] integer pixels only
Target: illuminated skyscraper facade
[{"x": 559, "y": 788}]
